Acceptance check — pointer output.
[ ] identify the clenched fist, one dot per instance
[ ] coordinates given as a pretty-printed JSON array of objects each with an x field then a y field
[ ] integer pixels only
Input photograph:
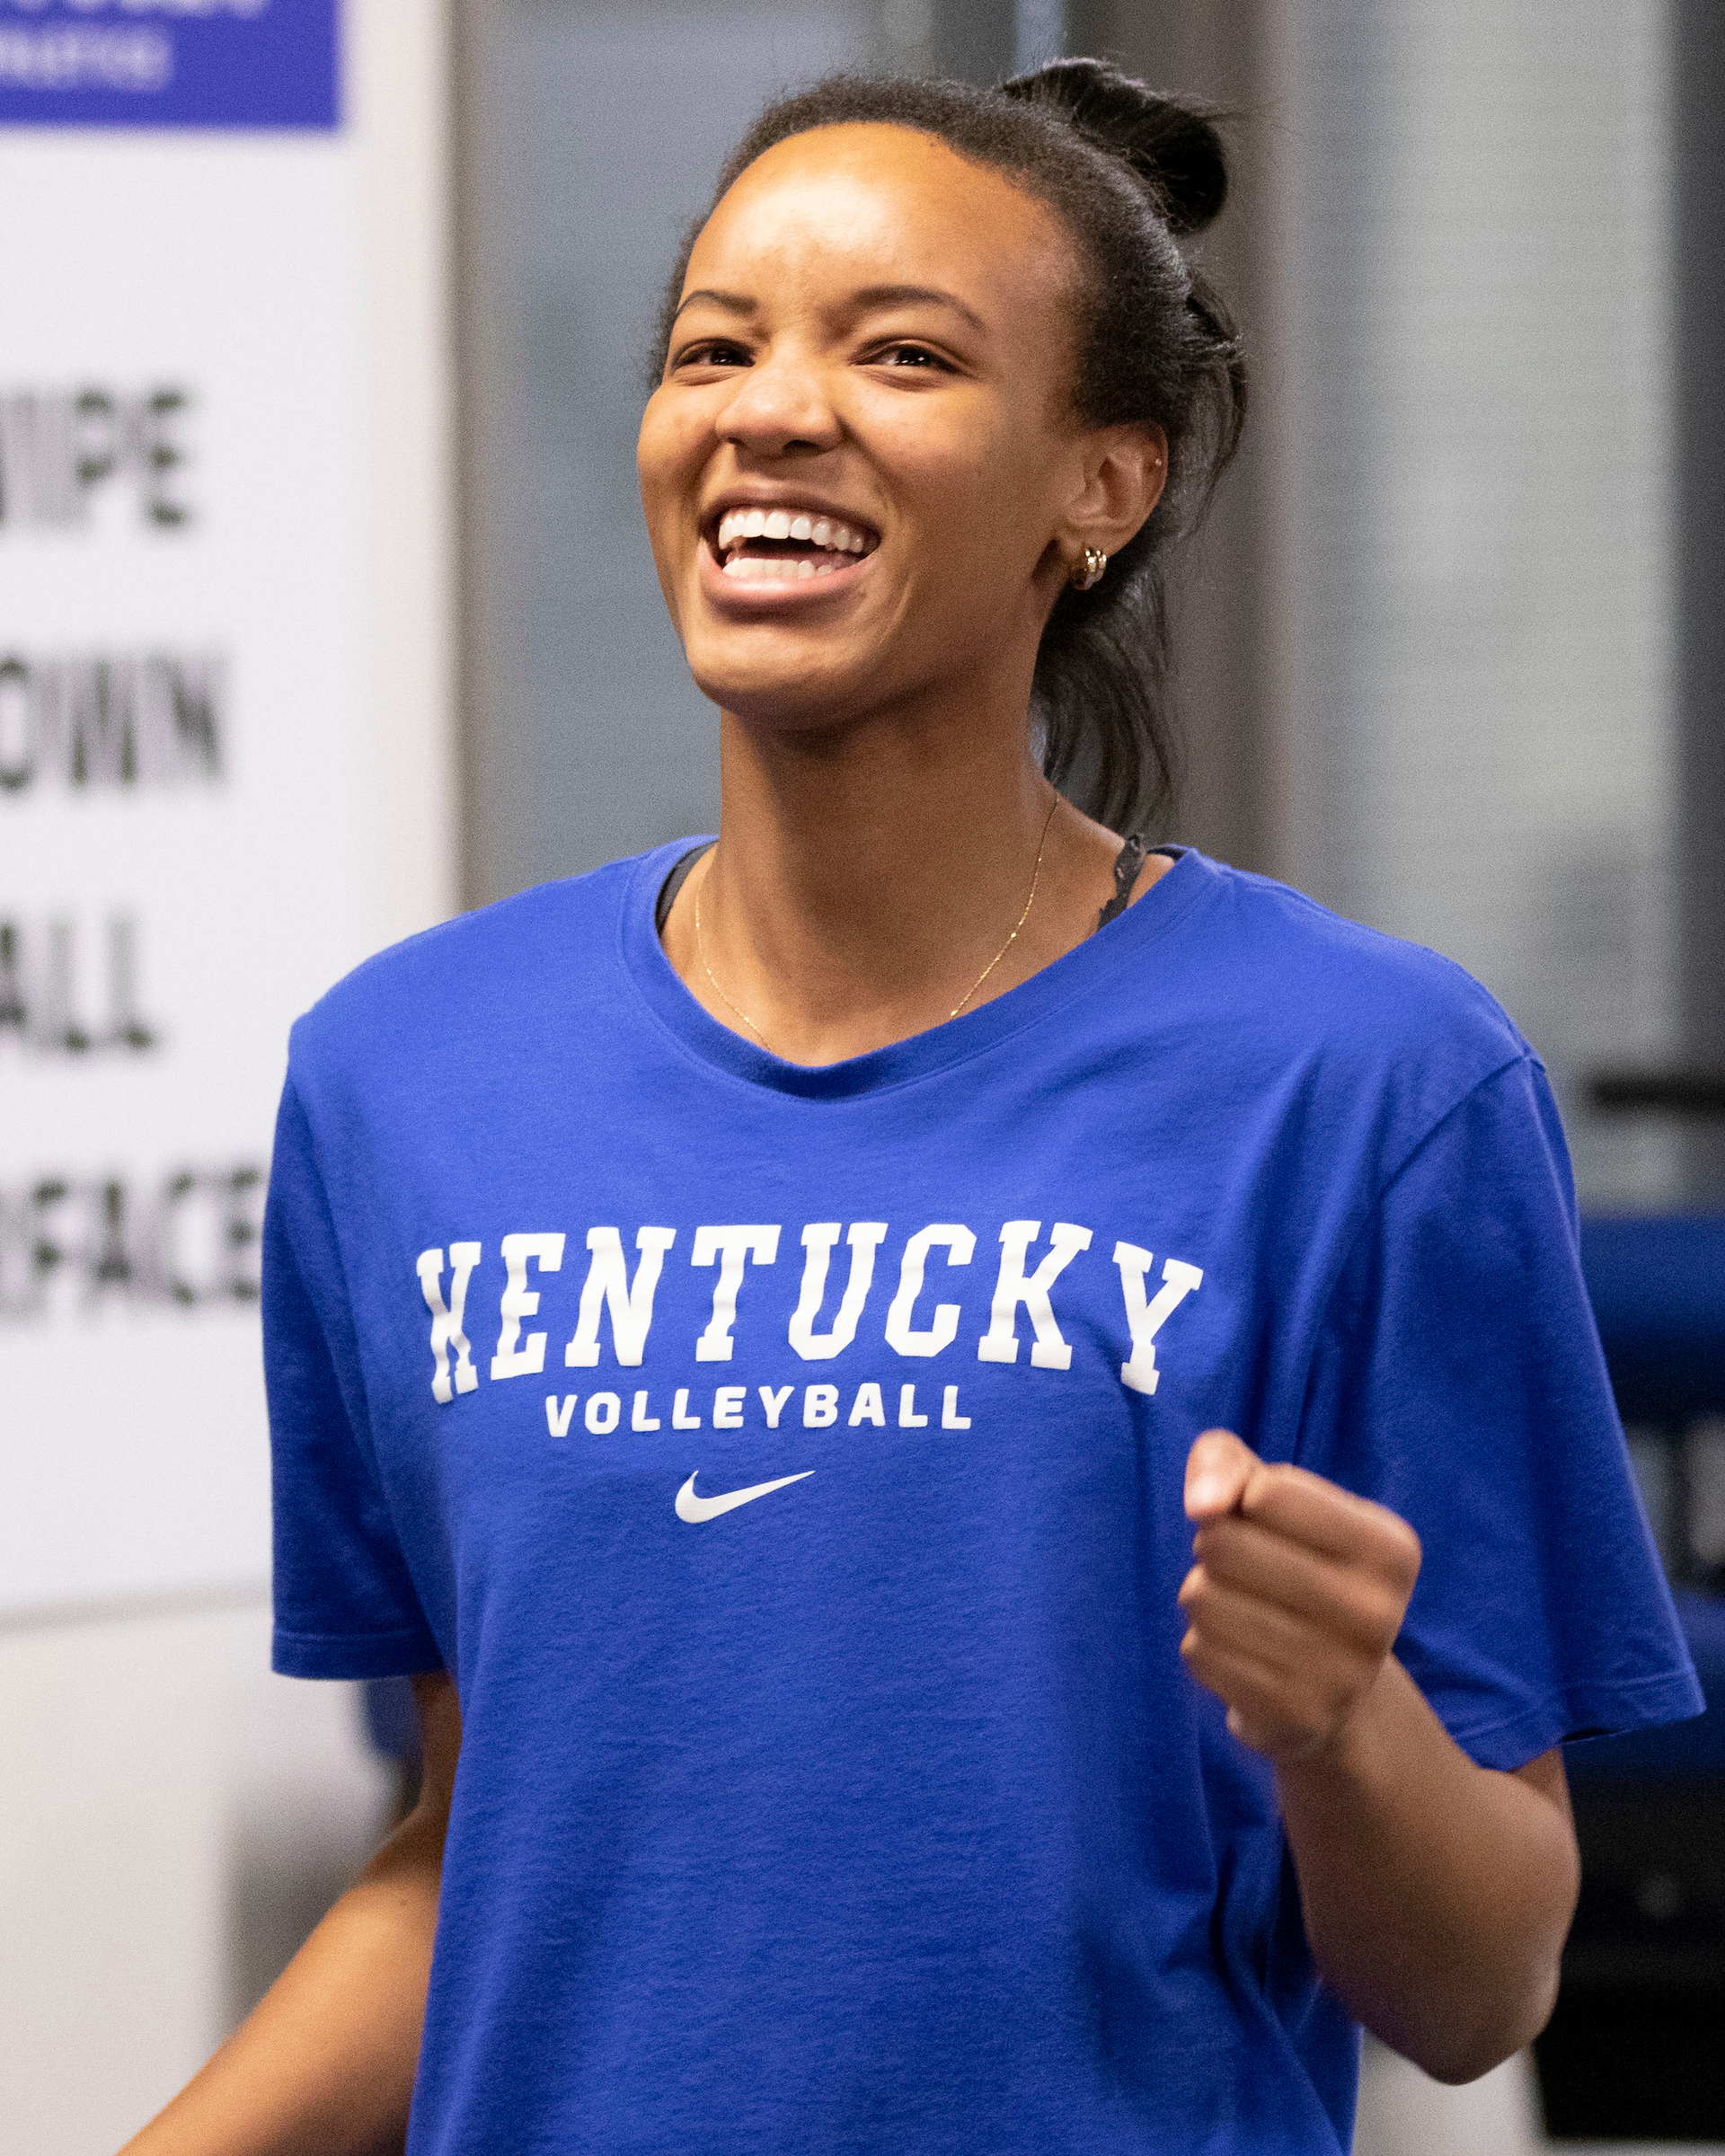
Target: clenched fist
[{"x": 1295, "y": 1600}]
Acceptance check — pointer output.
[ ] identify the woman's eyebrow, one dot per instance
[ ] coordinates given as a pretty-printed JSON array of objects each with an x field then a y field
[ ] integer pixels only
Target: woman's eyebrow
[
  {"x": 869, "y": 298},
  {"x": 900, "y": 295},
  {"x": 733, "y": 303}
]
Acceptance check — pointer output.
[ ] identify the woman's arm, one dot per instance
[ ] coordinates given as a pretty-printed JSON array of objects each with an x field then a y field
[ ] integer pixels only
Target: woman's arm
[
  {"x": 325, "y": 2065},
  {"x": 1437, "y": 1893}
]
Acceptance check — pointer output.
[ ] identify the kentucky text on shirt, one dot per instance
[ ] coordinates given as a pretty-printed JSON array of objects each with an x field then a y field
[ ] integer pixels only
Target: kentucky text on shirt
[{"x": 1021, "y": 1282}]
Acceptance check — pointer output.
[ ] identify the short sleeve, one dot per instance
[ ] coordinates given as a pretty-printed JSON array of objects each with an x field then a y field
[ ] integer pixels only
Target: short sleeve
[
  {"x": 345, "y": 1605},
  {"x": 1458, "y": 1379}
]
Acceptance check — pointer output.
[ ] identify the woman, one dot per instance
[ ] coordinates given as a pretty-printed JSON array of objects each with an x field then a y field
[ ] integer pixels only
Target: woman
[{"x": 892, "y": 1210}]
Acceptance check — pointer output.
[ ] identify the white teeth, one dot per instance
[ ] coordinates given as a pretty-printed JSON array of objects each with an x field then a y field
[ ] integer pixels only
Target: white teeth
[
  {"x": 799, "y": 525},
  {"x": 749, "y": 568}
]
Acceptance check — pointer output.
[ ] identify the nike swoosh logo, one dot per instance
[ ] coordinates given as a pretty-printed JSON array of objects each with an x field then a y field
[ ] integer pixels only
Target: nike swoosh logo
[{"x": 691, "y": 1507}]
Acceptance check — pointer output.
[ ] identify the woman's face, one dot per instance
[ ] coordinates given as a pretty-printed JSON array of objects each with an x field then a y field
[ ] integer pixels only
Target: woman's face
[{"x": 860, "y": 467}]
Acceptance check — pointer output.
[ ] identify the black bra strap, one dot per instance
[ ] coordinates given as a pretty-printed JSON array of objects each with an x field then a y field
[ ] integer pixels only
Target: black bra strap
[
  {"x": 674, "y": 883},
  {"x": 1126, "y": 866},
  {"x": 1129, "y": 860}
]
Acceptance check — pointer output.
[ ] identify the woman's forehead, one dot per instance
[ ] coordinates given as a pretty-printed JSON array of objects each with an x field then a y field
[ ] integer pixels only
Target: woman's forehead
[{"x": 865, "y": 194}]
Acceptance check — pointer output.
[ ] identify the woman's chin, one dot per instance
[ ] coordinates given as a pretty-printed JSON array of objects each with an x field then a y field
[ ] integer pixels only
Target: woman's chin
[
  {"x": 790, "y": 688},
  {"x": 789, "y": 705}
]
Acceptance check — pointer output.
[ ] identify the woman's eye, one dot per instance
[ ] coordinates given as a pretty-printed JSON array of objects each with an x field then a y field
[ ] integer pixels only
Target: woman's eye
[
  {"x": 911, "y": 356},
  {"x": 714, "y": 354}
]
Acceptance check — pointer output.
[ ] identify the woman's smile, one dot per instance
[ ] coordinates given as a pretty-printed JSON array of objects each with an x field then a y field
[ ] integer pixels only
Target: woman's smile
[{"x": 758, "y": 556}]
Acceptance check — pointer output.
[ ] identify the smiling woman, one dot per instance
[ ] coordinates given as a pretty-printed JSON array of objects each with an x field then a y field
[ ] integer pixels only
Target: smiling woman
[
  {"x": 1124, "y": 331},
  {"x": 947, "y": 329},
  {"x": 857, "y": 1759}
]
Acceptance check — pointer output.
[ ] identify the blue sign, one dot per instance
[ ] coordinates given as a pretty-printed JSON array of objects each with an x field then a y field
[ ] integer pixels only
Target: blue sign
[{"x": 169, "y": 64}]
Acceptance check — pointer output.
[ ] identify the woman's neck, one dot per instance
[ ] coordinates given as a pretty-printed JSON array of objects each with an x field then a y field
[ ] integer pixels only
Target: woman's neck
[{"x": 866, "y": 876}]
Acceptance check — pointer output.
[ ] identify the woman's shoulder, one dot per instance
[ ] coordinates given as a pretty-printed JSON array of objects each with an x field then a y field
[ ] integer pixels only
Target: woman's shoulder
[
  {"x": 1315, "y": 967},
  {"x": 1298, "y": 989},
  {"x": 480, "y": 978}
]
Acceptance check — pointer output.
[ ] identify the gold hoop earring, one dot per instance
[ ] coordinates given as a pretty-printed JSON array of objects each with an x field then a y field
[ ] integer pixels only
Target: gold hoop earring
[{"x": 1089, "y": 570}]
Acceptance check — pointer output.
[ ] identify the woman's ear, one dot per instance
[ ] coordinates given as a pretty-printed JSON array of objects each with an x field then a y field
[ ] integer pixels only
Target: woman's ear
[{"x": 1125, "y": 469}]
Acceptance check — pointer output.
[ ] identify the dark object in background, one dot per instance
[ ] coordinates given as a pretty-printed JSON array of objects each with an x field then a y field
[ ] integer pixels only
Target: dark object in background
[
  {"x": 1637, "y": 2063},
  {"x": 1634, "y": 2050},
  {"x": 1670, "y": 1092}
]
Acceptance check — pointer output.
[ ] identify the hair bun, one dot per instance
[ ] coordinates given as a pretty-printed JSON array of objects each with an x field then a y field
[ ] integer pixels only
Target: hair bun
[{"x": 1173, "y": 147}]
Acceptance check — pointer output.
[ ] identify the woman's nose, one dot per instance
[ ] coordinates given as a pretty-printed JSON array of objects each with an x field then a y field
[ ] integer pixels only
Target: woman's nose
[{"x": 779, "y": 403}]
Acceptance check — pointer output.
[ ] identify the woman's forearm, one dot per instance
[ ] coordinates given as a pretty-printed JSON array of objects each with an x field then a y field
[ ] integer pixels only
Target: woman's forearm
[
  {"x": 1437, "y": 1893},
  {"x": 325, "y": 2065}
]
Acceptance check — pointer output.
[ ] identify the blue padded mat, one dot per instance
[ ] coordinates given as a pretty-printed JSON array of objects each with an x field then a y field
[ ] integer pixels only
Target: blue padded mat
[{"x": 1657, "y": 1282}]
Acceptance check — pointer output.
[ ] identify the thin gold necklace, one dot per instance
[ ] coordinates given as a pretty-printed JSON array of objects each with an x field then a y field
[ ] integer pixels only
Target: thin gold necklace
[
  {"x": 701, "y": 947},
  {"x": 754, "y": 1025}
]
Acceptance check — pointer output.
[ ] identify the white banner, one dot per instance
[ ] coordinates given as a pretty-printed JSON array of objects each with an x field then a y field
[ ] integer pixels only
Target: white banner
[{"x": 224, "y": 751}]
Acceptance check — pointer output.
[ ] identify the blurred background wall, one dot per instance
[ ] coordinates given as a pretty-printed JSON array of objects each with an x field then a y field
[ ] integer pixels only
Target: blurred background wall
[
  {"x": 1450, "y": 660},
  {"x": 1479, "y": 281}
]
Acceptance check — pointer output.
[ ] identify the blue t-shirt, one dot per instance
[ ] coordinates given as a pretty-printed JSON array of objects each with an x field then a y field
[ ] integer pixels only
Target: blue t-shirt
[{"x": 788, "y": 1465}]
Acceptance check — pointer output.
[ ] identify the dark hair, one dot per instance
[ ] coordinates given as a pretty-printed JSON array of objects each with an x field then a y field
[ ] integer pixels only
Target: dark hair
[{"x": 1129, "y": 173}]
